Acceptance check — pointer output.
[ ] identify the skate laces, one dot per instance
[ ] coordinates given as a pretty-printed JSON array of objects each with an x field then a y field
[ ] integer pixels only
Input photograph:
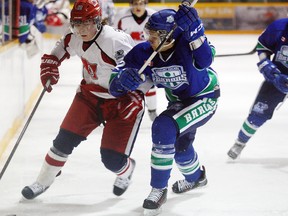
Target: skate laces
[
  {"x": 37, "y": 187},
  {"x": 122, "y": 182},
  {"x": 238, "y": 147},
  {"x": 156, "y": 194},
  {"x": 184, "y": 185}
]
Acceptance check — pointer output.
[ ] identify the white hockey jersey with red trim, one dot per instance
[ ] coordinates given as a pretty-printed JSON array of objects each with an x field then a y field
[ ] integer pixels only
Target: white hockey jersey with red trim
[
  {"x": 98, "y": 56},
  {"x": 128, "y": 24}
]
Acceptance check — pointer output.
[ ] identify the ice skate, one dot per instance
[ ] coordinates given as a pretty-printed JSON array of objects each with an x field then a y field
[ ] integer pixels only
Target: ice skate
[
  {"x": 152, "y": 205},
  {"x": 34, "y": 190},
  {"x": 183, "y": 186},
  {"x": 236, "y": 150},
  {"x": 152, "y": 114},
  {"x": 121, "y": 184}
]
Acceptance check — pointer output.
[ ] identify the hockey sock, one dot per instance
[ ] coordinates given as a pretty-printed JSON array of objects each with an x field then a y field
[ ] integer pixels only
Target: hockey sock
[
  {"x": 126, "y": 170},
  {"x": 190, "y": 168},
  {"x": 53, "y": 163},
  {"x": 247, "y": 131}
]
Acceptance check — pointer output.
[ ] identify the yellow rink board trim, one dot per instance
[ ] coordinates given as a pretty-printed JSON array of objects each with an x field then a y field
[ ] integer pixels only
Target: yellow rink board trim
[
  {"x": 18, "y": 122},
  {"x": 8, "y": 45}
]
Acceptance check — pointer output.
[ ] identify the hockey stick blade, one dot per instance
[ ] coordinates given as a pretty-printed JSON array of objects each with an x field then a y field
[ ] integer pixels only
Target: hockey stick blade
[
  {"x": 148, "y": 61},
  {"x": 238, "y": 54}
]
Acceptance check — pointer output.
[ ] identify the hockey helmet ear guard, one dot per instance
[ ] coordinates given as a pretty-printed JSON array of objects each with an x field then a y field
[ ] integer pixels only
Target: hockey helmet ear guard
[{"x": 161, "y": 22}]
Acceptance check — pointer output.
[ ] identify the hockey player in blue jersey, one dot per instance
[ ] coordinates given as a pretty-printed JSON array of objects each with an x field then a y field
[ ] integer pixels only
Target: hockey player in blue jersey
[
  {"x": 272, "y": 49},
  {"x": 31, "y": 25},
  {"x": 182, "y": 68}
]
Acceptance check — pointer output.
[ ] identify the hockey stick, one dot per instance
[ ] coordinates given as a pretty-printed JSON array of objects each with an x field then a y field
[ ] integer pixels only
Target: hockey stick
[
  {"x": 238, "y": 54},
  {"x": 23, "y": 131},
  {"x": 148, "y": 61}
]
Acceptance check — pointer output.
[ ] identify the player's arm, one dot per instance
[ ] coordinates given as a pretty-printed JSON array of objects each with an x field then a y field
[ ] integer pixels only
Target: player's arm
[
  {"x": 190, "y": 23},
  {"x": 50, "y": 63},
  {"x": 271, "y": 73}
]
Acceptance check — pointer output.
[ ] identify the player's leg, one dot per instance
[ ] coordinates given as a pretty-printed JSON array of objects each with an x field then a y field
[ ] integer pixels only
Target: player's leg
[
  {"x": 189, "y": 119},
  {"x": 262, "y": 110},
  {"x": 167, "y": 127},
  {"x": 188, "y": 164},
  {"x": 71, "y": 134},
  {"x": 118, "y": 140},
  {"x": 164, "y": 133}
]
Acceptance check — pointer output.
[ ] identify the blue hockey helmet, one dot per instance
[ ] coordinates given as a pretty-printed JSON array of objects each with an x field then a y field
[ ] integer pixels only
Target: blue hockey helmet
[{"x": 161, "y": 22}]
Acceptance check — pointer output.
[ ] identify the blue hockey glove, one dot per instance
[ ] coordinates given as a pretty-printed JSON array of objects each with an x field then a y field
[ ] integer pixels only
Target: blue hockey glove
[
  {"x": 281, "y": 83},
  {"x": 130, "y": 79},
  {"x": 268, "y": 69},
  {"x": 188, "y": 21}
]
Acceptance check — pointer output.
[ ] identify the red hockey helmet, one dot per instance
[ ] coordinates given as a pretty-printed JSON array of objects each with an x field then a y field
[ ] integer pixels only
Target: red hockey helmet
[{"x": 85, "y": 10}]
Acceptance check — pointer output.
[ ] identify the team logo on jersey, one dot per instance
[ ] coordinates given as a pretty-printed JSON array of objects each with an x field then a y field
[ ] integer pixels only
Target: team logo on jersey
[
  {"x": 119, "y": 54},
  {"x": 282, "y": 55},
  {"x": 171, "y": 77},
  {"x": 90, "y": 68}
]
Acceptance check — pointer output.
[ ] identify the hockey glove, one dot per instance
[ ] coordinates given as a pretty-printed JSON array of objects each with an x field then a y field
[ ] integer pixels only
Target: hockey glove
[
  {"x": 130, "y": 105},
  {"x": 281, "y": 83},
  {"x": 130, "y": 79},
  {"x": 268, "y": 69},
  {"x": 188, "y": 21},
  {"x": 49, "y": 71}
]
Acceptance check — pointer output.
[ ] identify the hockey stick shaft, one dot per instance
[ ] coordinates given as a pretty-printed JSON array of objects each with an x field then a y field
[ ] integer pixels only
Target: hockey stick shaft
[
  {"x": 148, "y": 61},
  {"x": 238, "y": 54},
  {"x": 23, "y": 131}
]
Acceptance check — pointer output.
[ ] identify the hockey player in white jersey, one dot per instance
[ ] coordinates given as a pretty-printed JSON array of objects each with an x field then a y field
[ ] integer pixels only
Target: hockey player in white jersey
[
  {"x": 100, "y": 48},
  {"x": 133, "y": 22}
]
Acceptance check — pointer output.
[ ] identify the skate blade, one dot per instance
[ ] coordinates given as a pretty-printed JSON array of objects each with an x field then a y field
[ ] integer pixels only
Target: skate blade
[{"x": 152, "y": 212}]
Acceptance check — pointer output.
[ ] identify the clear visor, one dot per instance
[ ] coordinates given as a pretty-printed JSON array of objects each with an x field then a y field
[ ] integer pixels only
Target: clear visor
[
  {"x": 85, "y": 27},
  {"x": 79, "y": 23},
  {"x": 151, "y": 34}
]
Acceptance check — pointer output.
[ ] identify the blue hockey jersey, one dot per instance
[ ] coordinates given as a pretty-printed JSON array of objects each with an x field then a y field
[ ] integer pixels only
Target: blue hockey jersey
[
  {"x": 184, "y": 74},
  {"x": 274, "y": 40}
]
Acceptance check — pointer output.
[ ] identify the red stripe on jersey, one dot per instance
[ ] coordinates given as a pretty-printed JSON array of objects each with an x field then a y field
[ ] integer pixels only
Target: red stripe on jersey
[
  {"x": 150, "y": 93},
  {"x": 93, "y": 87},
  {"x": 120, "y": 25},
  {"x": 54, "y": 162},
  {"x": 107, "y": 59}
]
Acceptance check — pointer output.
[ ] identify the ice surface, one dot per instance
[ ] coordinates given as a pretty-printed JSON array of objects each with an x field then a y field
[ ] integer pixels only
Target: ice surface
[{"x": 255, "y": 185}]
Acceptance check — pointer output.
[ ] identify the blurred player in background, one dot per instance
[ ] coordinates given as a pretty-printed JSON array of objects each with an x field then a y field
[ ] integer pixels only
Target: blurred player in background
[
  {"x": 31, "y": 26},
  {"x": 132, "y": 22},
  {"x": 108, "y": 12},
  {"x": 58, "y": 12},
  {"x": 100, "y": 48},
  {"x": 272, "y": 50}
]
